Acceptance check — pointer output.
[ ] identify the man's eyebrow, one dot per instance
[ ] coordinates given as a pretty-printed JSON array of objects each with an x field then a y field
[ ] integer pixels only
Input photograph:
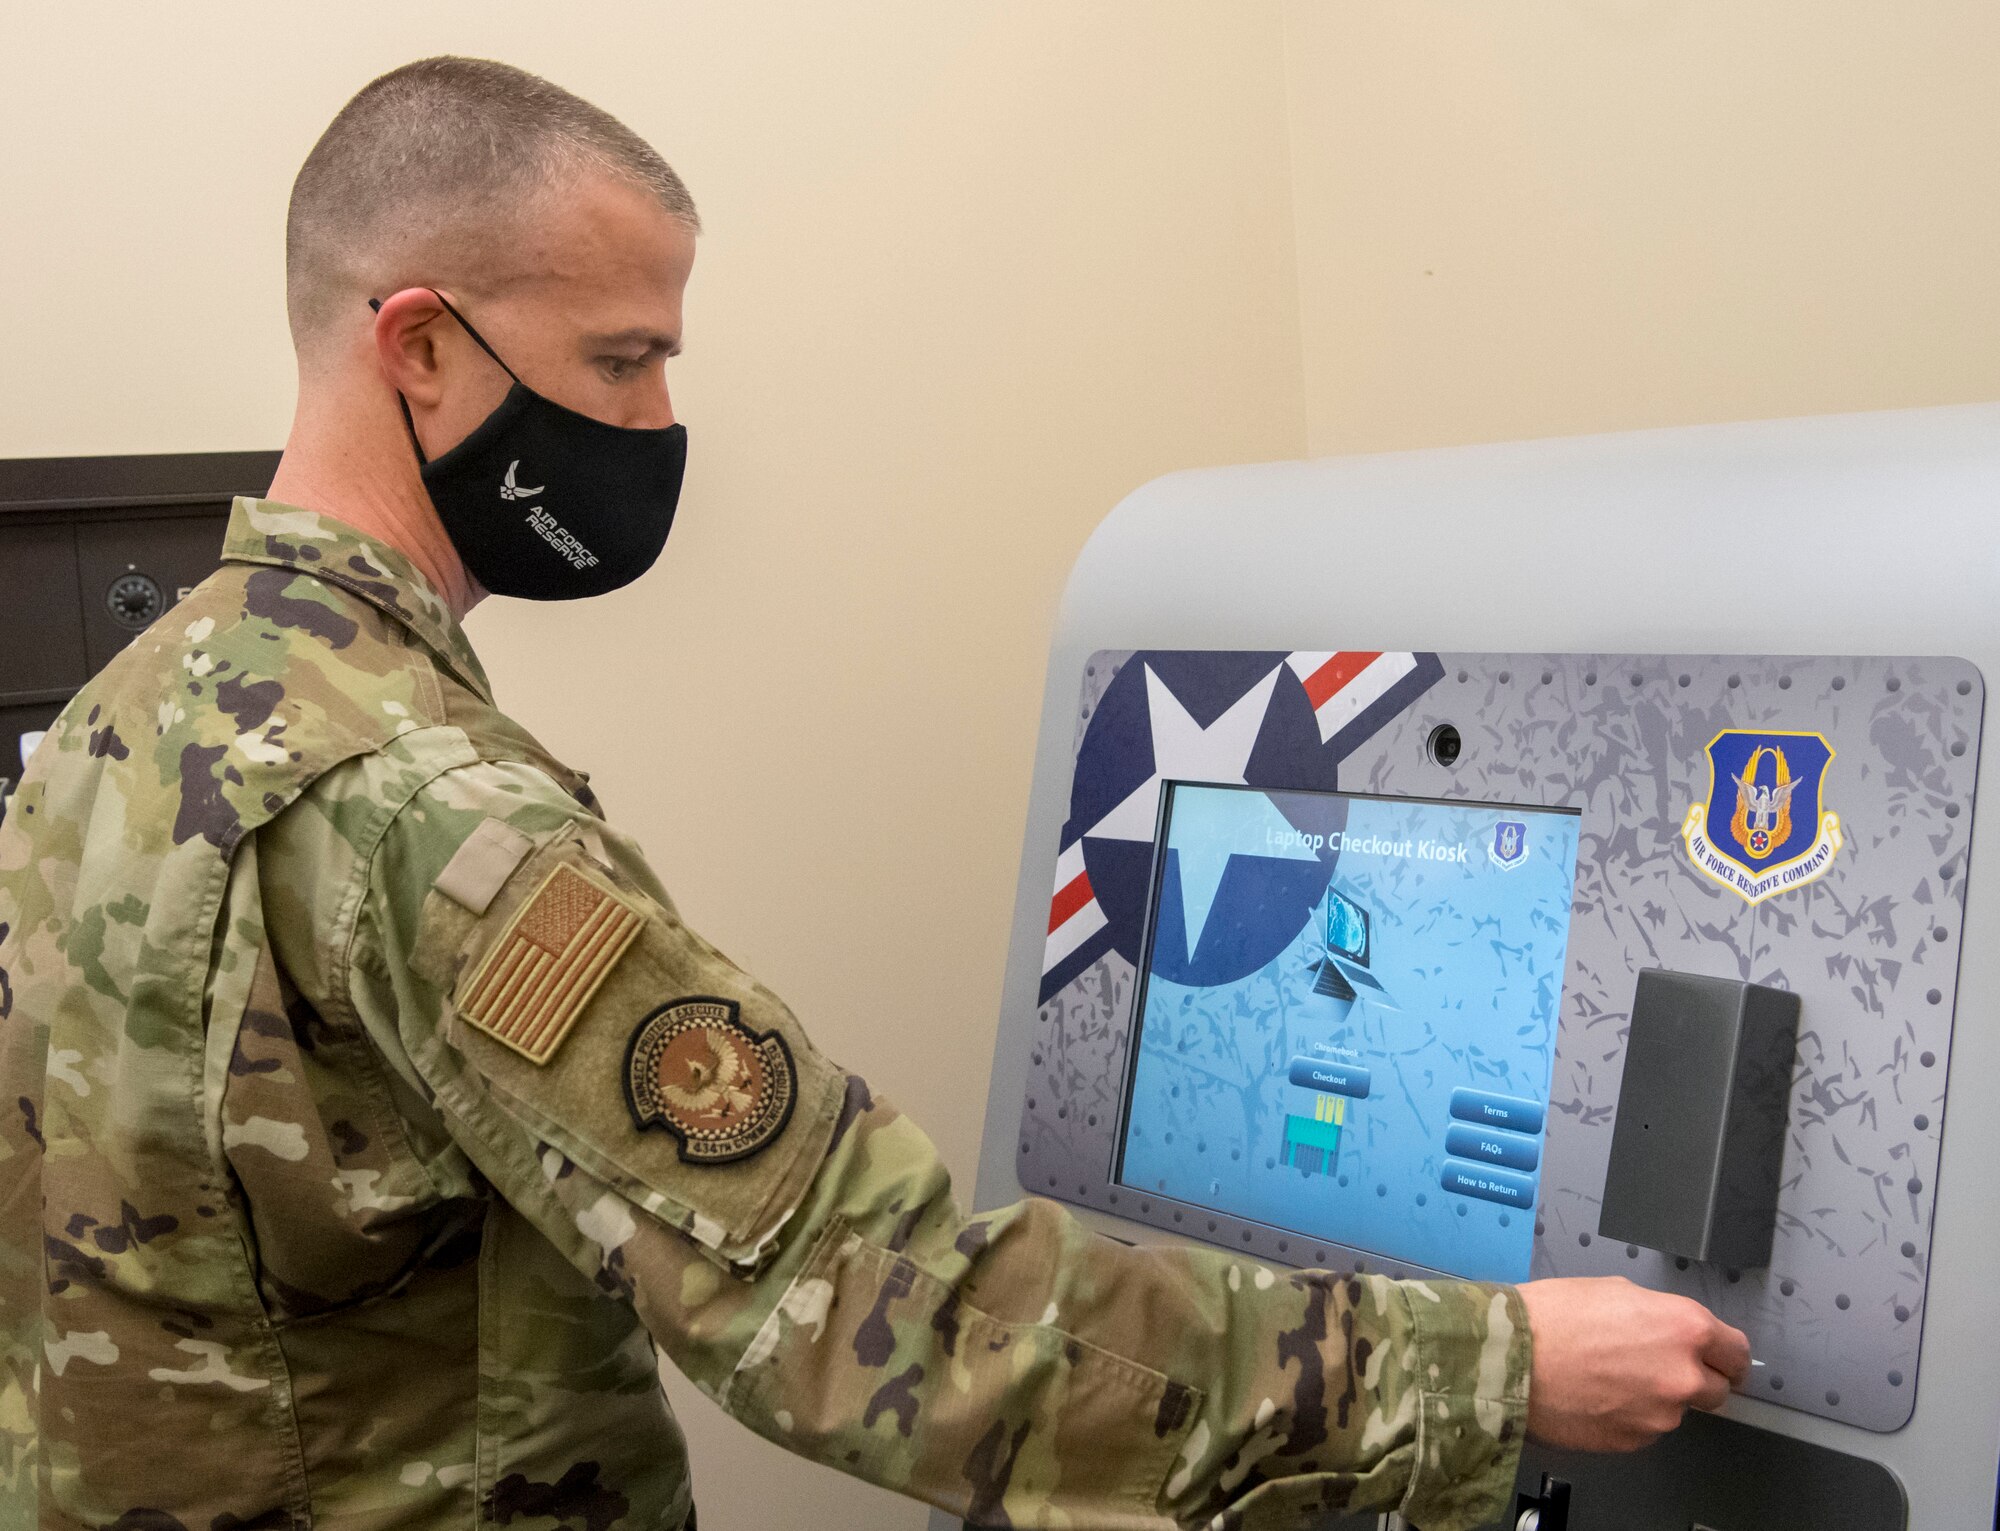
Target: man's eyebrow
[{"x": 653, "y": 340}]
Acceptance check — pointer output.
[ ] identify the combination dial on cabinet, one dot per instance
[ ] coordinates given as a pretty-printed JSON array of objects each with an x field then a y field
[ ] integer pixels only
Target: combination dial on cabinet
[{"x": 134, "y": 600}]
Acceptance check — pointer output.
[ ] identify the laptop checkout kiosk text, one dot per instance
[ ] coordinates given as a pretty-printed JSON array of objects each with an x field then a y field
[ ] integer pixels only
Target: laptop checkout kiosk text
[{"x": 1545, "y": 860}]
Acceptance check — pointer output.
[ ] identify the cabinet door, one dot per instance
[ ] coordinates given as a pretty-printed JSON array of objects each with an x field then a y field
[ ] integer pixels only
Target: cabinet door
[
  {"x": 132, "y": 572},
  {"x": 41, "y": 631}
]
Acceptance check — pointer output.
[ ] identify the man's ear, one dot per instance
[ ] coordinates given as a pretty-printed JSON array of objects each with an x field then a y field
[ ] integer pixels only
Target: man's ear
[{"x": 406, "y": 343}]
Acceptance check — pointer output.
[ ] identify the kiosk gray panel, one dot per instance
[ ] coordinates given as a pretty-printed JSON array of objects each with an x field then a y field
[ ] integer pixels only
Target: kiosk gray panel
[{"x": 1797, "y": 823}]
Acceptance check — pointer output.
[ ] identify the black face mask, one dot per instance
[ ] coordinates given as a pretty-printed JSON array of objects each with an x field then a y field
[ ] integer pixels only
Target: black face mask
[{"x": 550, "y": 505}]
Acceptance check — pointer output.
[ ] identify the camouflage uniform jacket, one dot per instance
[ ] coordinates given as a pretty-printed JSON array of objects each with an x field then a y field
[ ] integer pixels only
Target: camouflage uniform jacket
[{"x": 370, "y": 1116}]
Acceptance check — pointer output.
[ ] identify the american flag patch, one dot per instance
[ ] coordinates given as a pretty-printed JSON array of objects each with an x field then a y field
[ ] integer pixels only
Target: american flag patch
[{"x": 548, "y": 962}]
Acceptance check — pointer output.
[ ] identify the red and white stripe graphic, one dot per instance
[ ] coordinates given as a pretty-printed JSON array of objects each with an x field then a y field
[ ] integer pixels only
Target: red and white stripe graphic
[
  {"x": 1074, "y": 914},
  {"x": 1344, "y": 685}
]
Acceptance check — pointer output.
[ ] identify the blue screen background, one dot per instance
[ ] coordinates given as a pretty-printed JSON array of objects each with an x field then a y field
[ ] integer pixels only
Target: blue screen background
[{"x": 1471, "y": 953}]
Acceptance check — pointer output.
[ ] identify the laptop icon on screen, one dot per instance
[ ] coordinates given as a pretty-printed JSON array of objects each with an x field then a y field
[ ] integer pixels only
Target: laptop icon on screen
[{"x": 1344, "y": 970}]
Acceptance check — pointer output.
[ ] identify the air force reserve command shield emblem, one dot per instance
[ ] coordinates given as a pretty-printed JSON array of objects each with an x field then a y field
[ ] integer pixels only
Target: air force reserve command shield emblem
[
  {"x": 1765, "y": 828},
  {"x": 1509, "y": 847}
]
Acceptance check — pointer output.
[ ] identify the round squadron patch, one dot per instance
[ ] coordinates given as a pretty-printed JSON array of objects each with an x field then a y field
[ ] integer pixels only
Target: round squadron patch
[{"x": 724, "y": 1091}]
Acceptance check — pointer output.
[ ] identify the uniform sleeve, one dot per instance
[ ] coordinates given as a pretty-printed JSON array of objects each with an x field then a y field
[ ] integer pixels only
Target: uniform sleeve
[{"x": 791, "y": 1242}]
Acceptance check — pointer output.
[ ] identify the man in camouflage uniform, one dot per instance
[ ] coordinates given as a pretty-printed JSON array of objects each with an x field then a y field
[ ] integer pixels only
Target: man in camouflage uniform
[{"x": 371, "y": 1116}]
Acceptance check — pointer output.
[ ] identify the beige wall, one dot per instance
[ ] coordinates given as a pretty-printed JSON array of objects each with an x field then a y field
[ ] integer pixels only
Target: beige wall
[
  {"x": 973, "y": 271},
  {"x": 1560, "y": 216}
]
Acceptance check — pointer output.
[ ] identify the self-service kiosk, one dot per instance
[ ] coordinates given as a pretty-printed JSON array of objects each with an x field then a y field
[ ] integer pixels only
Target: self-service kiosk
[{"x": 1554, "y": 859}]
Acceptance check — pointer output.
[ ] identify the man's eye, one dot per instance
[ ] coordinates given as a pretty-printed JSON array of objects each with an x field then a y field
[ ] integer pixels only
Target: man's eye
[{"x": 618, "y": 368}]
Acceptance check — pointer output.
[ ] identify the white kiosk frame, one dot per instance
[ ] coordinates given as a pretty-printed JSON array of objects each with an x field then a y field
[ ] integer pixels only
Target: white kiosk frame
[{"x": 1864, "y": 535}]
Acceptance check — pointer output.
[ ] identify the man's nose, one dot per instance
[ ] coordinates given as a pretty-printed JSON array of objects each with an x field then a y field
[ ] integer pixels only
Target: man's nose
[{"x": 656, "y": 411}]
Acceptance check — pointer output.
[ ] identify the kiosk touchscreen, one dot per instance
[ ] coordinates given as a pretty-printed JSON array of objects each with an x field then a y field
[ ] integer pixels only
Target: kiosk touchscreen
[
  {"x": 1399, "y": 1109},
  {"x": 1546, "y": 860}
]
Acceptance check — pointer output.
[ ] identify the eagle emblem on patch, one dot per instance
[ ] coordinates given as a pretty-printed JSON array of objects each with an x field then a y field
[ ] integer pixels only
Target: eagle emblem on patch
[
  {"x": 724, "y": 1091},
  {"x": 548, "y": 962}
]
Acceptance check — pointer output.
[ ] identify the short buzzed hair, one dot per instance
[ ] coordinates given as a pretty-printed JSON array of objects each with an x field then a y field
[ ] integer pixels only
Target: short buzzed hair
[{"x": 404, "y": 184}]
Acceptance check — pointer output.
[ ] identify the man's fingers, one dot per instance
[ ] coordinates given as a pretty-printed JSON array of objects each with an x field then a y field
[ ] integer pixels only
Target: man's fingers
[
  {"x": 1713, "y": 1392},
  {"x": 1726, "y": 1350},
  {"x": 1616, "y": 1365}
]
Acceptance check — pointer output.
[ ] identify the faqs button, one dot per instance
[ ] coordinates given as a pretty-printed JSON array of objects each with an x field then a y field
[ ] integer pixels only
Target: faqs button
[{"x": 1510, "y": 1150}]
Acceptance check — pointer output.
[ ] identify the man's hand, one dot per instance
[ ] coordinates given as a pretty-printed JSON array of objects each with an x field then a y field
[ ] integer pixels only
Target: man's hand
[{"x": 1616, "y": 1365}]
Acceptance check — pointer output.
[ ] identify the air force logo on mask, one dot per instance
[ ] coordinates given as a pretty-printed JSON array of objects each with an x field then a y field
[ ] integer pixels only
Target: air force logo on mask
[
  {"x": 546, "y": 526},
  {"x": 509, "y": 490},
  {"x": 1764, "y": 828}
]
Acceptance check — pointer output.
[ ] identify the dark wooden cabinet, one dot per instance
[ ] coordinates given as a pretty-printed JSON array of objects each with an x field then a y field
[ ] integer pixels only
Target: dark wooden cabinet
[{"x": 93, "y": 551}]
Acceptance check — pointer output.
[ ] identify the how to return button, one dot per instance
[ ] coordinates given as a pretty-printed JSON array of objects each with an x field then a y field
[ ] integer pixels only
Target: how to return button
[{"x": 1506, "y": 1187}]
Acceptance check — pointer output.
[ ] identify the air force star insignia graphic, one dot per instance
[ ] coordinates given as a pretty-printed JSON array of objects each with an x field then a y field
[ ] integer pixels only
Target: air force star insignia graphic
[
  {"x": 722, "y": 1090},
  {"x": 1235, "y": 718},
  {"x": 1764, "y": 829}
]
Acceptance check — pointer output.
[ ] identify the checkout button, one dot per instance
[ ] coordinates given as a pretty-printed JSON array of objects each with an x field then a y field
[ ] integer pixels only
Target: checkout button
[
  {"x": 1323, "y": 1074},
  {"x": 1489, "y": 1183}
]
